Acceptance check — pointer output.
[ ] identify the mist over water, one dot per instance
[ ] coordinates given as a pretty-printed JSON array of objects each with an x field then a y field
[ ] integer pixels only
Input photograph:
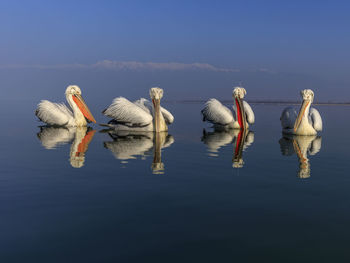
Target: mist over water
[{"x": 100, "y": 86}]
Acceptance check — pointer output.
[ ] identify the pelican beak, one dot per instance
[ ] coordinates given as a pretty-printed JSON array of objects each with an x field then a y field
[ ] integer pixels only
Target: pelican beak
[
  {"x": 301, "y": 114},
  {"x": 241, "y": 117},
  {"x": 156, "y": 105},
  {"x": 83, "y": 108}
]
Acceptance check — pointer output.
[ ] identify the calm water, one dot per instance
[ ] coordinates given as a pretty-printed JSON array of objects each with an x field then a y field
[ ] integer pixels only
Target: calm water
[{"x": 186, "y": 196}]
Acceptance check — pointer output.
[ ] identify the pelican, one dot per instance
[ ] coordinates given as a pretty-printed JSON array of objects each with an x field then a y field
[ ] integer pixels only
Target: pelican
[
  {"x": 58, "y": 114},
  {"x": 302, "y": 146},
  {"x": 129, "y": 145},
  {"x": 307, "y": 122},
  {"x": 241, "y": 139},
  {"x": 140, "y": 115},
  {"x": 223, "y": 119},
  {"x": 52, "y": 137}
]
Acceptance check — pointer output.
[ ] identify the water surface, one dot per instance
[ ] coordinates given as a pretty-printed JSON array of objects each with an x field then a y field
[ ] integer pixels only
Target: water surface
[{"x": 190, "y": 195}]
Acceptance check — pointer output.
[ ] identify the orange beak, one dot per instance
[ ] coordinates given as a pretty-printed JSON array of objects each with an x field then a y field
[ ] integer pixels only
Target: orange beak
[
  {"x": 301, "y": 114},
  {"x": 83, "y": 108}
]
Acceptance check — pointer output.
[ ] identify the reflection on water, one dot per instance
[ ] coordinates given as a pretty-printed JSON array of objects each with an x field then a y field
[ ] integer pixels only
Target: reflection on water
[
  {"x": 129, "y": 145},
  {"x": 53, "y": 137},
  {"x": 241, "y": 139},
  {"x": 302, "y": 146},
  {"x": 131, "y": 217}
]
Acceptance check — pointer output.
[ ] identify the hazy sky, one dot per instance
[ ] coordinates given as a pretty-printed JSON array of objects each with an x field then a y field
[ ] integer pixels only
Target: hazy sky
[{"x": 307, "y": 41}]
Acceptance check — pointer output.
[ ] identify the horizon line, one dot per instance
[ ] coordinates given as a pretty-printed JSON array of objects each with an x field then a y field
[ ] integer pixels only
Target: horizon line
[{"x": 135, "y": 66}]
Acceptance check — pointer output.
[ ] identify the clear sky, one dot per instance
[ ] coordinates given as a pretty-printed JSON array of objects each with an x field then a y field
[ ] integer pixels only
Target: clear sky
[{"x": 306, "y": 40}]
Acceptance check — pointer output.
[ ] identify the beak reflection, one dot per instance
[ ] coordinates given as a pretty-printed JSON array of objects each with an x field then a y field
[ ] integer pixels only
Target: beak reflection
[
  {"x": 79, "y": 137},
  {"x": 240, "y": 139}
]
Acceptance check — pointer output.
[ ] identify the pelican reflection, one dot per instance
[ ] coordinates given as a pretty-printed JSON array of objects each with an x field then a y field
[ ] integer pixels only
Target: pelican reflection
[
  {"x": 241, "y": 140},
  {"x": 80, "y": 137},
  {"x": 303, "y": 146},
  {"x": 128, "y": 145}
]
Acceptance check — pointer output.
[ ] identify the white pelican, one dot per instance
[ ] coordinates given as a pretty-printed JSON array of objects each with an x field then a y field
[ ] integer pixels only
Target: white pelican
[
  {"x": 128, "y": 145},
  {"x": 302, "y": 146},
  {"x": 241, "y": 139},
  {"x": 52, "y": 137},
  {"x": 56, "y": 114},
  {"x": 307, "y": 122},
  {"x": 223, "y": 119},
  {"x": 140, "y": 115}
]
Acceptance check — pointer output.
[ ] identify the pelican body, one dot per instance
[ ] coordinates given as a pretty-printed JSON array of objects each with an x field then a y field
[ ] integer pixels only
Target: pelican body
[
  {"x": 140, "y": 115},
  {"x": 307, "y": 122},
  {"x": 223, "y": 118},
  {"x": 58, "y": 114}
]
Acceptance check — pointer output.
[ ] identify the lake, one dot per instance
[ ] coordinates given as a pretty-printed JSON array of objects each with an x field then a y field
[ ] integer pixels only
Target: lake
[{"x": 191, "y": 195}]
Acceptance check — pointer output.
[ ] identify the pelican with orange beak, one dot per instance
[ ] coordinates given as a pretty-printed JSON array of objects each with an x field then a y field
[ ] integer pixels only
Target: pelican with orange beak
[
  {"x": 222, "y": 117},
  {"x": 58, "y": 114},
  {"x": 307, "y": 122}
]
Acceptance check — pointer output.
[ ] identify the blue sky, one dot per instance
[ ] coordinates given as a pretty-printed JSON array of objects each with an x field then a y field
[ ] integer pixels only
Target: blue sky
[{"x": 309, "y": 39}]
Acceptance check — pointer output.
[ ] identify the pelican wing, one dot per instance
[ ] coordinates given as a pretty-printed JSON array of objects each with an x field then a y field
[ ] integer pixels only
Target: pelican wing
[
  {"x": 53, "y": 113},
  {"x": 288, "y": 117},
  {"x": 147, "y": 106},
  {"x": 128, "y": 113},
  {"x": 249, "y": 112},
  {"x": 216, "y": 113},
  {"x": 168, "y": 117},
  {"x": 316, "y": 119}
]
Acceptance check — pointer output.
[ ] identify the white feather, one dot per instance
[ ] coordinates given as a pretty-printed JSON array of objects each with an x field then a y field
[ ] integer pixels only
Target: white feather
[
  {"x": 54, "y": 113},
  {"x": 216, "y": 113},
  {"x": 288, "y": 117},
  {"x": 316, "y": 119},
  {"x": 147, "y": 106},
  {"x": 249, "y": 112},
  {"x": 128, "y": 113},
  {"x": 168, "y": 117}
]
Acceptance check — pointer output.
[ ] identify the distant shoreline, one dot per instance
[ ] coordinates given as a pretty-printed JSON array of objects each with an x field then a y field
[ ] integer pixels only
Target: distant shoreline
[{"x": 265, "y": 102}]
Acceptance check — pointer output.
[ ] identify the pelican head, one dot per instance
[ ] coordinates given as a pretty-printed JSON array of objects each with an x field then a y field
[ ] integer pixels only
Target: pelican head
[
  {"x": 159, "y": 124},
  {"x": 308, "y": 97},
  {"x": 79, "y": 107},
  {"x": 156, "y": 93},
  {"x": 238, "y": 95},
  {"x": 239, "y": 92},
  {"x": 73, "y": 90}
]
